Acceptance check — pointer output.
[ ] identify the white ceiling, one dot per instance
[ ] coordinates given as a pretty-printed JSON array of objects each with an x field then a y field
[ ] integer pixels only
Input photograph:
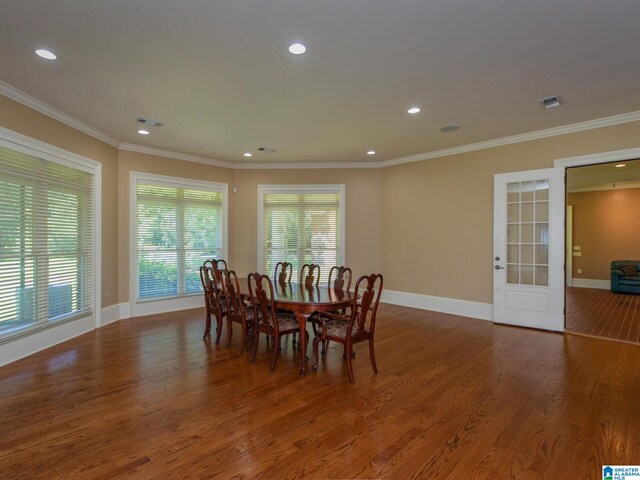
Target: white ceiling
[
  {"x": 604, "y": 176},
  {"x": 218, "y": 73}
]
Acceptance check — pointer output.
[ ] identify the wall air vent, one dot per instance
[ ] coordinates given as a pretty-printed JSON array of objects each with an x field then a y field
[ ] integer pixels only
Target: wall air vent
[{"x": 151, "y": 123}]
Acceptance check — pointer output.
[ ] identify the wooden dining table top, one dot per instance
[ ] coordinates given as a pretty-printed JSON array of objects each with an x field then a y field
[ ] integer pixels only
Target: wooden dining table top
[{"x": 298, "y": 294}]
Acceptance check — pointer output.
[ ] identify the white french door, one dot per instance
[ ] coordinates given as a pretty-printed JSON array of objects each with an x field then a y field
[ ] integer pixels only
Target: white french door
[{"x": 528, "y": 249}]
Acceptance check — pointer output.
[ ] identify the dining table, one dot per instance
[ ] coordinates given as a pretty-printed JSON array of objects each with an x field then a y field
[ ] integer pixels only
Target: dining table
[{"x": 303, "y": 301}]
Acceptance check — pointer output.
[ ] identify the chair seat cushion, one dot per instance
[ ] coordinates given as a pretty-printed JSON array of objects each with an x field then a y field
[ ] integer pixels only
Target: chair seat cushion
[
  {"x": 629, "y": 281},
  {"x": 338, "y": 328},
  {"x": 286, "y": 321}
]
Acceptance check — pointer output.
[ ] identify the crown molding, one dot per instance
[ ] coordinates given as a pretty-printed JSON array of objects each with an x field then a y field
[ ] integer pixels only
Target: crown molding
[
  {"x": 523, "y": 137},
  {"x": 132, "y": 147},
  {"x": 31, "y": 102},
  {"x": 304, "y": 166},
  {"x": 39, "y": 106}
]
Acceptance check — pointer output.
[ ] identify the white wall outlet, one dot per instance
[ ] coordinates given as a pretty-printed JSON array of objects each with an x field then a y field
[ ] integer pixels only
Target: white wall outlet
[{"x": 579, "y": 270}]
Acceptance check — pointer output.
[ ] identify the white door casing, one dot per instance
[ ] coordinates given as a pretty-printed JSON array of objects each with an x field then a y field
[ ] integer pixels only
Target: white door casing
[{"x": 528, "y": 258}]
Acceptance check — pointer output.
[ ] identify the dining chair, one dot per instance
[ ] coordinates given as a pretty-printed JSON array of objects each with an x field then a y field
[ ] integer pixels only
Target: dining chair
[
  {"x": 339, "y": 279},
  {"x": 283, "y": 272},
  {"x": 310, "y": 274},
  {"x": 272, "y": 323},
  {"x": 236, "y": 311},
  {"x": 214, "y": 299},
  {"x": 356, "y": 326}
]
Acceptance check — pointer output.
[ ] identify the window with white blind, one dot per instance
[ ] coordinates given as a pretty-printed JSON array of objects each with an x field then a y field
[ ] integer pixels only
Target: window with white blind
[
  {"x": 301, "y": 224},
  {"x": 46, "y": 242},
  {"x": 178, "y": 224}
]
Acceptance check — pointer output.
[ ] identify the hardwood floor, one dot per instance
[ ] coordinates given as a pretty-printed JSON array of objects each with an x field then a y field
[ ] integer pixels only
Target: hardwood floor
[
  {"x": 455, "y": 398},
  {"x": 601, "y": 313}
]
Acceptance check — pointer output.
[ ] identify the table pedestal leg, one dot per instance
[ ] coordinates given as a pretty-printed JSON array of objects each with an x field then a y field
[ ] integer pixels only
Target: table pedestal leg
[{"x": 304, "y": 340}]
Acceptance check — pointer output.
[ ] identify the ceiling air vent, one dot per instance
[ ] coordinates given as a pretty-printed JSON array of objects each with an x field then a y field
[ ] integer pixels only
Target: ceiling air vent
[
  {"x": 151, "y": 123},
  {"x": 267, "y": 150},
  {"x": 550, "y": 102}
]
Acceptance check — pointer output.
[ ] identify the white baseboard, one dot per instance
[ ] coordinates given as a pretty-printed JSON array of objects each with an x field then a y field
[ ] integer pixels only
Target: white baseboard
[
  {"x": 124, "y": 310},
  {"x": 465, "y": 308},
  {"x": 164, "y": 306},
  {"x": 25, "y": 346},
  {"x": 591, "y": 283},
  {"x": 110, "y": 314}
]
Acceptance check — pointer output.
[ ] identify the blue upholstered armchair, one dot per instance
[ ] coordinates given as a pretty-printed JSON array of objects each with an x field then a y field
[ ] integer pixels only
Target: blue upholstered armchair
[{"x": 625, "y": 276}]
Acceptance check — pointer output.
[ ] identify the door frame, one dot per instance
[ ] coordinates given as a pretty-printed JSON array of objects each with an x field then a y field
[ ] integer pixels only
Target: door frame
[{"x": 591, "y": 159}]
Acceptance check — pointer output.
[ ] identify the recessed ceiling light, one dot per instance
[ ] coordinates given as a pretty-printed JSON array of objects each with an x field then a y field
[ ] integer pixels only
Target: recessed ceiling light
[
  {"x": 620, "y": 165},
  {"x": 297, "y": 48},
  {"x": 449, "y": 128},
  {"x": 248, "y": 154},
  {"x": 414, "y": 110},
  {"x": 41, "y": 52},
  {"x": 143, "y": 132},
  {"x": 371, "y": 152}
]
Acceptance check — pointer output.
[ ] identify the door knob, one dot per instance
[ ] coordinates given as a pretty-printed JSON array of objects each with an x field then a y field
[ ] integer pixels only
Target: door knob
[{"x": 498, "y": 267}]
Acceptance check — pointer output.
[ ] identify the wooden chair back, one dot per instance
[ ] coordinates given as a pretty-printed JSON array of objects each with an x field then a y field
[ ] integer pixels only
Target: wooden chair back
[
  {"x": 260, "y": 295},
  {"x": 203, "y": 279},
  {"x": 365, "y": 304},
  {"x": 283, "y": 272},
  {"x": 310, "y": 274},
  {"x": 339, "y": 278},
  {"x": 212, "y": 291},
  {"x": 231, "y": 286},
  {"x": 218, "y": 266}
]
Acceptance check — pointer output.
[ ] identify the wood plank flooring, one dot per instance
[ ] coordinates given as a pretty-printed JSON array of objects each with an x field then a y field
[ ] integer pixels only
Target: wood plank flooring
[
  {"x": 601, "y": 313},
  {"x": 455, "y": 398}
]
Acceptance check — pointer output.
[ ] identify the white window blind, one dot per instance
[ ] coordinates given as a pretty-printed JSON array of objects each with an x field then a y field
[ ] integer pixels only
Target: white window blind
[
  {"x": 46, "y": 242},
  {"x": 178, "y": 228},
  {"x": 301, "y": 226}
]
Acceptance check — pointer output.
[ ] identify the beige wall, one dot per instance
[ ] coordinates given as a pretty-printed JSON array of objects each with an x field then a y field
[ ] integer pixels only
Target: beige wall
[
  {"x": 606, "y": 226},
  {"x": 27, "y": 121},
  {"x": 362, "y": 213},
  {"x": 437, "y": 215},
  {"x": 427, "y": 226},
  {"x": 139, "y": 162}
]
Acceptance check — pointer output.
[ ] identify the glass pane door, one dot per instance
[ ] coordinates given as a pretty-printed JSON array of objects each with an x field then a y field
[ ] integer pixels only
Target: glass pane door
[{"x": 528, "y": 233}]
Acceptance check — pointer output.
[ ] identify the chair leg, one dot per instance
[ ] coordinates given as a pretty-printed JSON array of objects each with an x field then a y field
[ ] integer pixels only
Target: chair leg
[
  {"x": 255, "y": 346},
  {"x": 218, "y": 327},
  {"x": 315, "y": 353},
  {"x": 276, "y": 352},
  {"x": 349, "y": 366},
  {"x": 293, "y": 341},
  {"x": 207, "y": 325},
  {"x": 372, "y": 354},
  {"x": 229, "y": 331},
  {"x": 325, "y": 346},
  {"x": 244, "y": 337}
]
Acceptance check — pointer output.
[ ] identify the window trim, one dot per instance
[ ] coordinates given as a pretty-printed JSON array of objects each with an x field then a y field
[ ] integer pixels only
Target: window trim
[
  {"x": 301, "y": 188},
  {"x": 32, "y": 339},
  {"x": 166, "y": 304}
]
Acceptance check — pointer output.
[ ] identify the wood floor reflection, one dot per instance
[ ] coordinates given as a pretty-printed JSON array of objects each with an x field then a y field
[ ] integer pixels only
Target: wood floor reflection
[
  {"x": 455, "y": 398},
  {"x": 602, "y": 313}
]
